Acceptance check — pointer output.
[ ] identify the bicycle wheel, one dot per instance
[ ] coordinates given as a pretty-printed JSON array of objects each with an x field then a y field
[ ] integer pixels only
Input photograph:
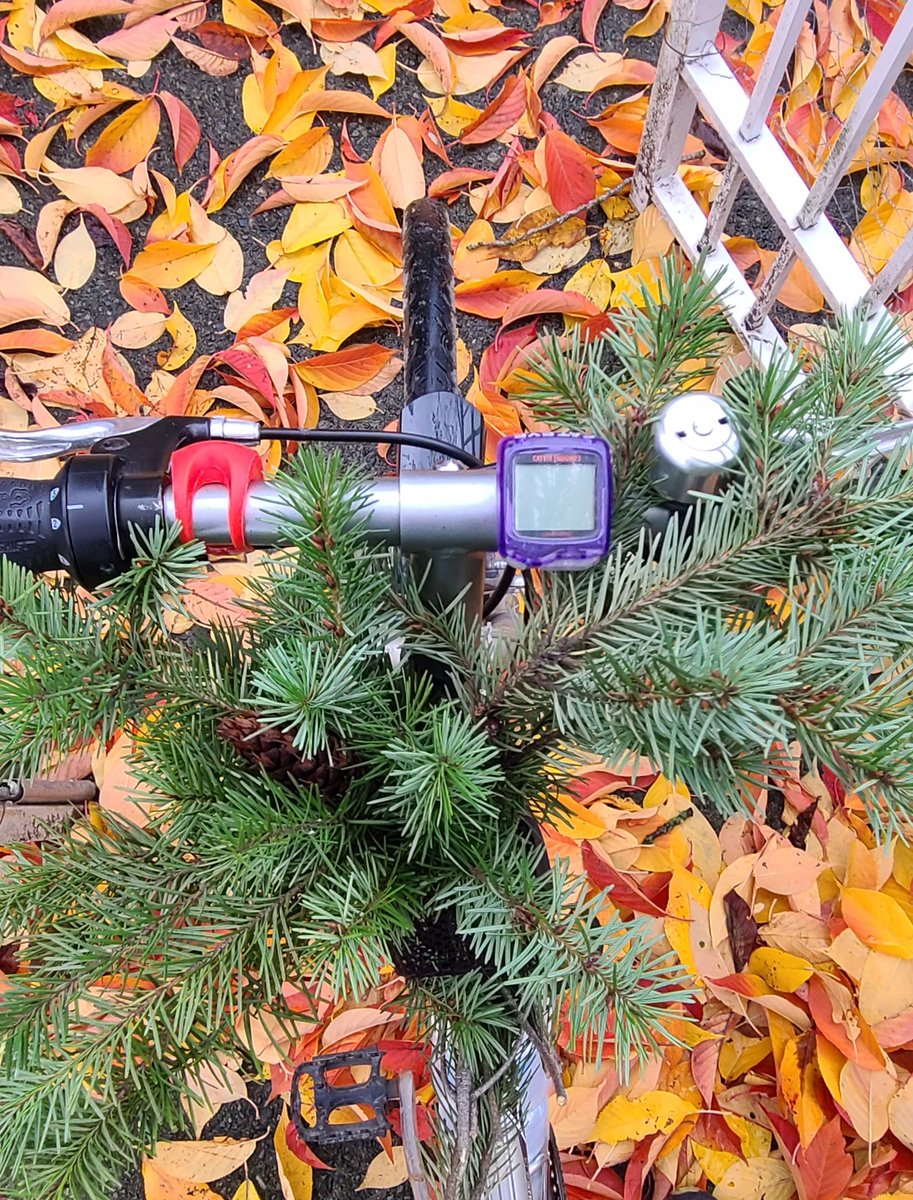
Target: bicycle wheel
[{"x": 429, "y": 321}]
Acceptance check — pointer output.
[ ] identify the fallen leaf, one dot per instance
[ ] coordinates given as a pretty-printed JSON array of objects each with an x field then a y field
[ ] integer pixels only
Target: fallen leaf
[
  {"x": 570, "y": 178},
  {"x": 653, "y": 1112},
  {"x": 128, "y": 139},
  {"x": 185, "y": 128},
  {"x": 384, "y": 1171},
  {"x": 878, "y": 921},
  {"x": 296, "y": 1177},
  {"x": 527, "y": 244},
  {"x": 27, "y": 296},
  {"x": 171, "y": 264},
  {"x": 135, "y": 330},
  {"x": 400, "y": 168},
  {"x": 74, "y": 259},
  {"x": 159, "y": 1186},
  {"x": 202, "y": 1161}
]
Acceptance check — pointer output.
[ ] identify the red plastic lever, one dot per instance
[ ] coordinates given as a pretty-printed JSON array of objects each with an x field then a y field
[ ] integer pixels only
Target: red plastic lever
[{"x": 235, "y": 467}]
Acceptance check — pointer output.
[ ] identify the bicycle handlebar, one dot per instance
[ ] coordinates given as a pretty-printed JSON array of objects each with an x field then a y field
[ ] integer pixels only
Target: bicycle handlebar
[
  {"x": 27, "y": 533},
  {"x": 420, "y": 512}
]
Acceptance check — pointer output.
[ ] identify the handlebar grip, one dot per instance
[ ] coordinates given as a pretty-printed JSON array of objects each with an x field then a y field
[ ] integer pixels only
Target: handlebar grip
[{"x": 29, "y": 531}]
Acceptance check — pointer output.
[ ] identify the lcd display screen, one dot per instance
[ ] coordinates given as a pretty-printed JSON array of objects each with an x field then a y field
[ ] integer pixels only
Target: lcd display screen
[{"x": 554, "y": 498}]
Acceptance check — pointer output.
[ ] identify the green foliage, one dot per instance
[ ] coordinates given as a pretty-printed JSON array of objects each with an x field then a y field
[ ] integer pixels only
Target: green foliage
[{"x": 778, "y": 610}]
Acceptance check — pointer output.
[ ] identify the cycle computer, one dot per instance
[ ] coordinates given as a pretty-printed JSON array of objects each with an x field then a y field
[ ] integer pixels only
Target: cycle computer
[{"x": 555, "y": 494}]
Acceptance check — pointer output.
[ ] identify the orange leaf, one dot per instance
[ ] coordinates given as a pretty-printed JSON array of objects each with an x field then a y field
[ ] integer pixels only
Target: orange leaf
[
  {"x": 434, "y": 50},
  {"x": 159, "y": 1186},
  {"x": 549, "y": 300},
  {"x": 570, "y": 177},
  {"x": 825, "y": 1168},
  {"x": 171, "y": 264},
  {"x": 235, "y": 168},
  {"x": 143, "y": 296},
  {"x": 341, "y": 102},
  {"x": 344, "y": 369},
  {"x": 504, "y": 111},
  {"x": 837, "y": 1018},
  {"x": 400, "y": 168},
  {"x": 878, "y": 921},
  {"x": 493, "y": 295},
  {"x": 128, "y": 139}
]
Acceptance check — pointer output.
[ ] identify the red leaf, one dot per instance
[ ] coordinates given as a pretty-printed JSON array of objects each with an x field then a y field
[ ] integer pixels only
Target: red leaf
[
  {"x": 549, "y": 300},
  {"x": 300, "y": 1148},
  {"x": 505, "y": 110},
  {"x": 570, "y": 177},
  {"x": 454, "y": 181},
  {"x": 119, "y": 233},
  {"x": 251, "y": 368},
  {"x": 625, "y": 893},
  {"x": 592, "y": 11},
  {"x": 498, "y": 358},
  {"x": 422, "y": 1120},
  {"x": 185, "y": 129},
  {"x": 825, "y": 1167}
]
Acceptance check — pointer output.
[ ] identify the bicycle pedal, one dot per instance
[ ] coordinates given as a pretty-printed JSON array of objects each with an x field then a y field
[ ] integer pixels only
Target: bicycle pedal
[{"x": 374, "y": 1093}]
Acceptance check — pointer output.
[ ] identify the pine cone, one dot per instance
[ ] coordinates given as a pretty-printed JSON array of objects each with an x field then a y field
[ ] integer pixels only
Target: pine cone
[{"x": 276, "y": 753}]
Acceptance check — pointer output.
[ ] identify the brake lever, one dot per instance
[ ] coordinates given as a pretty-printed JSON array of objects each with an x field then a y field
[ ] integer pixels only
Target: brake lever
[{"x": 106, "y": 435}]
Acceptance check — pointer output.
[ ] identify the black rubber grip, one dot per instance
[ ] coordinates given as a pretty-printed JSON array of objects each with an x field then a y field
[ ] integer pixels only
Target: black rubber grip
[
  {"x": 27, "y": 533},
  {"x": 429, "y": 318}
]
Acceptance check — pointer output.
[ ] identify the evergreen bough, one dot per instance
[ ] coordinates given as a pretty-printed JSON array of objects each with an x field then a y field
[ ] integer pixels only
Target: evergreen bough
[{"x": 320, "y": 796}]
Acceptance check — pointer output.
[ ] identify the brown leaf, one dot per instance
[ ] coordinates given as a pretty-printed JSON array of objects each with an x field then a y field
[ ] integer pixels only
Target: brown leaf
[
  {"x": 562, "y": 233},
  {"x": 207, "y": 60},
  {"x": 742, "y": 929},
  {"x": 24, "y": 241}
]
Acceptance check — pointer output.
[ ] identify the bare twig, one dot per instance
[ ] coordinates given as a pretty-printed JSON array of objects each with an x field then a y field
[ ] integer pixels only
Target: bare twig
[
  {"x": 418, "y": 1181},
  {"x": 464, "y": 1104},
  {"x": 500, "y": 1073},
  {"x": 550, "y": 1060},
  {"x": 518, "y": 238},
  {"x": 488, "y": 1155}
]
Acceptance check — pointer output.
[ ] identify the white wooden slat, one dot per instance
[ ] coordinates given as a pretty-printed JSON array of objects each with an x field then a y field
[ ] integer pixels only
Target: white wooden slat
[
  {"x": 693, "y": 24},
  {"x": 776, "y": 60},
  {"x": 776, "y": 181},
  {"x": 732, "y": 180},
  {"x": 685, "y": 218}
]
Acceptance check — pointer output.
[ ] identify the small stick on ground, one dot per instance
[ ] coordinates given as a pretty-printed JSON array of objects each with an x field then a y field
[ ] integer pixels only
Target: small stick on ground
[
  {"x": 550, "y": 1060},
  {"x": 518, "y": 238},
  {"x": 418, "y": 1181}
]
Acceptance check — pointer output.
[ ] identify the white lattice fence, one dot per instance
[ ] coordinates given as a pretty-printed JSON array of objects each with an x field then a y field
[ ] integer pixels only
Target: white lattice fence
[{"x": 691, "y": 74}]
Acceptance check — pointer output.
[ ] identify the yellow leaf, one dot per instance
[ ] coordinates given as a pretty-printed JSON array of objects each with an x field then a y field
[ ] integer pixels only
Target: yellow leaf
[
  {"x": 135, "y": 330},
  {"x": 885, "y": 987},
  {"x": 383, "y": 83},
  {"x": 349, "y": 407},
  {"x": 225, "y": 272},
  {"x": 308, "y": 154},
  {"x": 593, "y": 280},
  {"x": 74, "y": 260},
  {"x": 878, "y": 921},
  {"x": 310, "y": 224},
  {"x": 714, "y": 1163},
  {"x": 359, "y": 263},
  {"x": 576, "y": 821},
  {"x": 295, "y": 1176},
  {"x": 757, "y": 1179},
  {"x": 781, "y": 971},
  {"x": 128, "y": 139},
  {"x": 27, "y": 296},
  {"x": 95, "y": 185},
  {"x": 159, "y": 1186},
  {"x": 184, "y": 342},
  {"x": 120, "y": 791},
  {"x": 386, "y": 1172},
  {"x": 203, "y": 1161},
  {"x": 171, "y": 264},
  {"x": 400, "y": 168},
  {"x": 10, "y": 200},
  {"x": 246, "y": 1191},
  {"x": 653, "y": 1112},
  {"x": 880, "y": 232}
]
